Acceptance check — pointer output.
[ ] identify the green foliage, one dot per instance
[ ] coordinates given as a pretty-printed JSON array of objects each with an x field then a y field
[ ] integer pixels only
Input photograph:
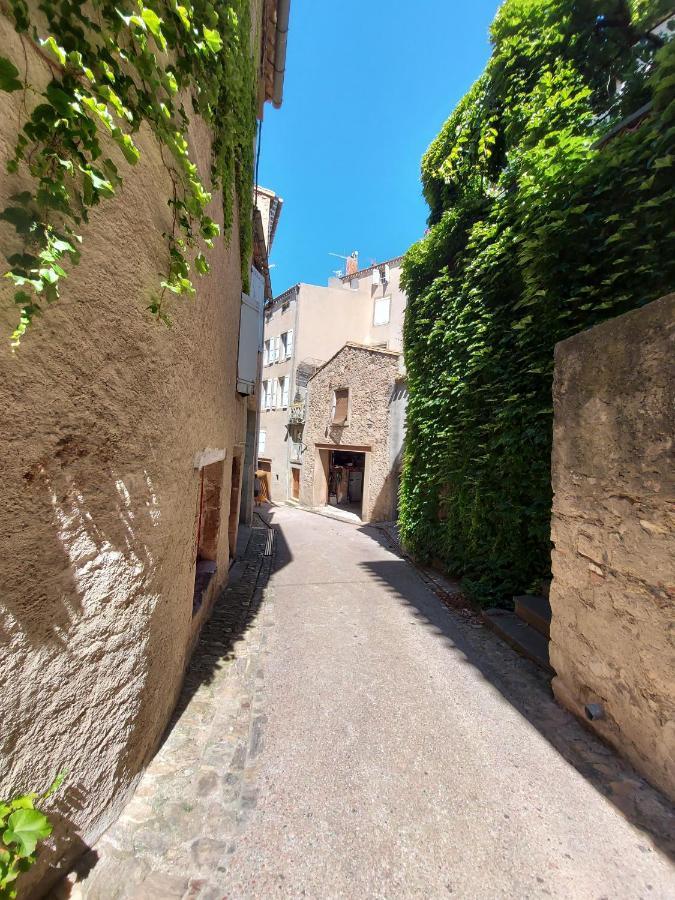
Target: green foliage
[
  {"x": 22, "y": 826},
  {"x": 535, "y": 234},
  {"x": 117, "y": 67}
]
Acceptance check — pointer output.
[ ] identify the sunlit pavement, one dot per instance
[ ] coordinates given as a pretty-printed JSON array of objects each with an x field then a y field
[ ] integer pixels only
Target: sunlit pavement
[{"x": 362, "y": 740}]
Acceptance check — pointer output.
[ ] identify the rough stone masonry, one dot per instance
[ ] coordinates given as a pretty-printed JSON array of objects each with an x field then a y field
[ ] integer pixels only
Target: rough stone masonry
[{"x": 613, "y": 591}]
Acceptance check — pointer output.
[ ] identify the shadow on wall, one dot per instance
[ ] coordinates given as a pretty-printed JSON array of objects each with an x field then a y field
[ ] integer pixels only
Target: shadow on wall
[
  {"x": 385, "y": 503},
  {"x": 88, "y": 562},
  {"x": 528, "y": 690},
  {"x": 82, "y": 638}
]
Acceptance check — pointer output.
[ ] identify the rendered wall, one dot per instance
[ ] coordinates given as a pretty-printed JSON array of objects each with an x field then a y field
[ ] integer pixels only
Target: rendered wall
[
  {"x": 370, "y": 376},
  {"x": 102, "y": 411},
  {"x": 613, "y": 596}
]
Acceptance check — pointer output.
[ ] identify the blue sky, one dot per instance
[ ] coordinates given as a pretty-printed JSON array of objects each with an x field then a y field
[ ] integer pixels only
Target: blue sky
[{"x": 368, "y": 86}]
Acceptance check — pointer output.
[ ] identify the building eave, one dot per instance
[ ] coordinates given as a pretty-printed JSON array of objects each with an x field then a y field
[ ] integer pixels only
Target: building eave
[
  {"x": 352, "y": 345},
  {"x": 394, "y": 261}
]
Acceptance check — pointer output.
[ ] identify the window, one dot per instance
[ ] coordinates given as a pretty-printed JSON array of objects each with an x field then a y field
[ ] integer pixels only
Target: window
[
  {"x": 262, "y": 441},
  {"x": 266, "y": 354},
  {"x": 289, "y": 343},
  {"x": 250, "y": 334},
  {"x": 266, "y": 398},
  {"x": 274, "y": 391},
  {"x": 381, "y": 311},
  {"x": 284, "y": 384},
  {"x": 284, "y": 338},
  {"x": 340, "y": 406}
]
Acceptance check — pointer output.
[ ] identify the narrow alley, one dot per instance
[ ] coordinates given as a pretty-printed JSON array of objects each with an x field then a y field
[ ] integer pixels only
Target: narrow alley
[{"x": 343, "y": 733}]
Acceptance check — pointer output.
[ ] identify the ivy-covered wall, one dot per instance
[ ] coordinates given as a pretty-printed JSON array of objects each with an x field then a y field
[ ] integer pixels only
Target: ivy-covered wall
[{"x": 536, "y": 233}]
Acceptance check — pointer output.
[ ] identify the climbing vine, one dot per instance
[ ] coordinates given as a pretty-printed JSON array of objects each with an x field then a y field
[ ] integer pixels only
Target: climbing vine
[
  {"x": 116, "y": 67},
  {"x": 22, "y": 827},
  {"x": 537, "y": 231}
]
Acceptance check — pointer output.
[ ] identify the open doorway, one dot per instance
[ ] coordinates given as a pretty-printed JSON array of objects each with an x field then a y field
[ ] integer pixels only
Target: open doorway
[
  {"x": 235, "y": 497},
  {"x": 345, "y": 480},
  {"x": 208, "y": 528}
]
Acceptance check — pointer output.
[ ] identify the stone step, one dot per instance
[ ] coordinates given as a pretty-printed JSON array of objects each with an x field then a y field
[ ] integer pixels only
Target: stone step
[
  {"x": 536, "y": 611},
  {"x": 518, "y": 634}
]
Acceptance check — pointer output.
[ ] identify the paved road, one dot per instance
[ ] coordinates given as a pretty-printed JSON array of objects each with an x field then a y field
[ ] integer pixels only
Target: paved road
[
  {"x": 342, "y": 734},
  {"x": 393, "y": 764}
]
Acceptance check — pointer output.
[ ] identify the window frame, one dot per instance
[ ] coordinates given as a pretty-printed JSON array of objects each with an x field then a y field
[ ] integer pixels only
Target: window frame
[
  {"x": 334, "y": 410},
  {"x": 386, "y": 297}
]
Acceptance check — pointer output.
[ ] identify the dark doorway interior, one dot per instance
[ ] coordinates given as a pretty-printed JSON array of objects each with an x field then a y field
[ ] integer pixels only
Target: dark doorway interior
[
  {"x": 208, "y": 527},
  {"x": 235, "y": 494},
  {"x": 345, "y": 480}
]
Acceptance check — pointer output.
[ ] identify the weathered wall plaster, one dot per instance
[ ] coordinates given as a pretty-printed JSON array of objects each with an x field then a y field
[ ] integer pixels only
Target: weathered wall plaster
[
  {"x": 103, "y": 411},
  {"x": 370, "y": 376},
  {"x": 613, "y": 594}
]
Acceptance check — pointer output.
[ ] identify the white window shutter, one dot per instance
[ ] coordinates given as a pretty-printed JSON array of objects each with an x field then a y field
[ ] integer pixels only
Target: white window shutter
[
  {"x": 289, "y": 344},
  {"x": 266, "y": 354},
  {"x": 249, "y": 345},
  {"x": 262, "y": 441},
  {"x": 284, "y": 392},
  {"x": 381, "y": 311}
]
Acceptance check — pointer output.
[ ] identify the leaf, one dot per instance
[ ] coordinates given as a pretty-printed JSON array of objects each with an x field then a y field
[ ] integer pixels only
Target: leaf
[
  {"x": 25, "y": 828},
  {"x": 184, "y": 15},
  {"x": 55, "y": 785},
  {"x": 9, "y": 76},
  {"x": 213, "y": 39},
  {"x": 126, "y": 145},
  {"x": 154, "y": 23},
  {"x": 51, "y": 45}
]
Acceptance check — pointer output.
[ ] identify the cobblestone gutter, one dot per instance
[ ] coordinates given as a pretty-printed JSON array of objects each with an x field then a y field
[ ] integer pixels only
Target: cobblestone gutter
[{"x": 176, "y": 834}]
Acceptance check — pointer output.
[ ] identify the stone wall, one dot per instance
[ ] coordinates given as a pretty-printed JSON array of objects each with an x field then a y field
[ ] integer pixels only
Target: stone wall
[
  {"x": 370, "y": 376},
  {"x": 103, "y": 410},
  {"x": 613, "y": 594}
]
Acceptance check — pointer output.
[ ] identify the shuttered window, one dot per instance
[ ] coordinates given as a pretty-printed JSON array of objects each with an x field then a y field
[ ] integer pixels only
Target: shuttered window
[
  {"x": 284, "y": 383},
  {"x": 381, "y": 311},
  {"x": 340, "y": 406}
]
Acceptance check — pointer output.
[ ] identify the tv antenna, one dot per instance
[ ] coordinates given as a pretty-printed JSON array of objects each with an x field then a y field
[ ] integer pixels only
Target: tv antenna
[{"x": 352, "y": 256}]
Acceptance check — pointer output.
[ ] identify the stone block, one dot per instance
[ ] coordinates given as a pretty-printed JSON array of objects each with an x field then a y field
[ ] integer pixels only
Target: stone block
[{"x": 613, "y": 530}]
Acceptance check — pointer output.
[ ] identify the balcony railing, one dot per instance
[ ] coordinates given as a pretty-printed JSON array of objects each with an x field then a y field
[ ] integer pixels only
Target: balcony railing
[{"x": 296, "y": 413}]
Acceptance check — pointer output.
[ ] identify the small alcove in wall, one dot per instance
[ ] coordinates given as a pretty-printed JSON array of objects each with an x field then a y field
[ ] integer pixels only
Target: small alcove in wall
[{"x": 208, "y": 528}]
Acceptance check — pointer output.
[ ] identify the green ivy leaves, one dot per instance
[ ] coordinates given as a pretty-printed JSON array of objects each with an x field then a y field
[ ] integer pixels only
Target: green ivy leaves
[
  {"x": 9, "y": 76},
  {"x": 22, "y": 827},
  {"x": 534, "y": 235},
  {"x": 116, "y": 66},
  {"x": 25, "y": 828}
]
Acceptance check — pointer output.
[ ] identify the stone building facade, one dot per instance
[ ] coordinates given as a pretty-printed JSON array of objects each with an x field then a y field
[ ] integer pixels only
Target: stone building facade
[
  {"x": 350, "y": 407},
  {"x": 613, "y": 595},
  {"x": 124, "y": 447},
  {"x": 304, "y": 327}
]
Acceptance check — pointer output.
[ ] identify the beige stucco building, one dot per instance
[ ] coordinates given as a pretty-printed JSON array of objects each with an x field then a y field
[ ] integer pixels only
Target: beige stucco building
[
  {"x": 304, "y": 327},
  {"x": 127, "y": 453},
  {"x": 353, "y": 434}
]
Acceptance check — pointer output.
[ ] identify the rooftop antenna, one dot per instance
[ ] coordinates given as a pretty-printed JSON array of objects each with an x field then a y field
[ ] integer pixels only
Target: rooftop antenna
[{"x": 351, "y": 262}]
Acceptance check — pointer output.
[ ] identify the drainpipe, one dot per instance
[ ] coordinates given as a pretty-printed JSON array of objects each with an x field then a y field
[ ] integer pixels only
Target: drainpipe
[{"x": 281, "y": 39}]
